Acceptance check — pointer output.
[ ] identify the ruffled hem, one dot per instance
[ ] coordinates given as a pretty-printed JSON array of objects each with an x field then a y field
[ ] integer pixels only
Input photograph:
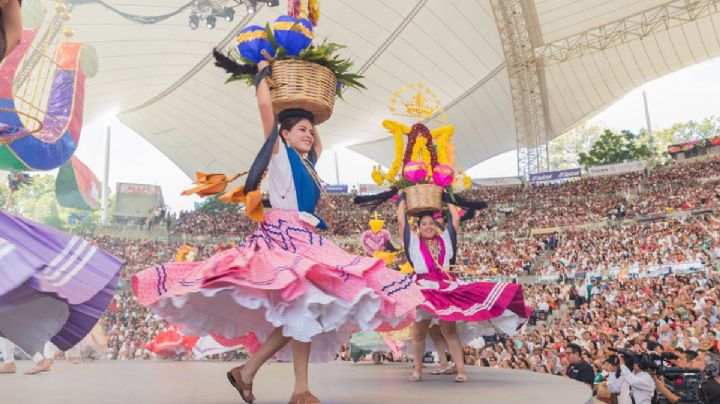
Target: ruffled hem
[
  {"x": 315, "y": 317},
  {"x": 475, "y": 302},
  {"x": 207, "y": 346},
  {"x": 284, "y": 275},
  {"x": 170, "y": 343},
  {"x": 375, "y": 341}
]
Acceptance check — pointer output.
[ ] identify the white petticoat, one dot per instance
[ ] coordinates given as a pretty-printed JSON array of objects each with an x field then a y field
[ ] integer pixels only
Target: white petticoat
[{"x": 315, "y": 317}]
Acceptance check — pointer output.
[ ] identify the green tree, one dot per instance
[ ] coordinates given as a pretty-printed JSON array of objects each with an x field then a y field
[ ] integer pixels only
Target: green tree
[
  {"x": 53, "y": 218},
  {"x": 4, "y": 191},
  {"x": 36, "y": 201},
  {"x": 693, "y": 130},
  {"x": 212, "y": 203},
  {"x": 612, "y": 148},
  {"x": 564, "y": 149}
]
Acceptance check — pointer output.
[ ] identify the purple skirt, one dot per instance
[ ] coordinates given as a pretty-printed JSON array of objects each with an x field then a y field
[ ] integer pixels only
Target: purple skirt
[{"x": 53, "y": 286}]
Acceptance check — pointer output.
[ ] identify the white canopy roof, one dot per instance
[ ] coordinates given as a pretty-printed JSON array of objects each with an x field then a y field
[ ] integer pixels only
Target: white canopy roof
[{"x": 586, "y": 55}]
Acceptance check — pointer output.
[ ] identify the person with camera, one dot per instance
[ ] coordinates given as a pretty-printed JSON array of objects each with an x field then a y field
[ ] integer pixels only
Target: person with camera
[
  {"x": 616, "y": 382},
  {"x": 709, "y": 389},
  {"x": 579, "y": 369},
  {"x": 642, "y": 386}
]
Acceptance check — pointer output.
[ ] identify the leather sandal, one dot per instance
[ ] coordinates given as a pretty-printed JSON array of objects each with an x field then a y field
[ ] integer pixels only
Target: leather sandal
[
  {"x": 240, "y": 385},
  {"x": 447, "y": 371},
  {"x": 304, "y": 398},
  {"x": 8, "y": 368},
  {"x": 42, "y": 366},
  {"x": 415, "y": 377},
  {"x": 461, "y": 378}
]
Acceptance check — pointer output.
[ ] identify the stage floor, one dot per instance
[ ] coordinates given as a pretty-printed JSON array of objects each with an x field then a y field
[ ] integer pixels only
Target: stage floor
[{"x": 156, "y": 382}]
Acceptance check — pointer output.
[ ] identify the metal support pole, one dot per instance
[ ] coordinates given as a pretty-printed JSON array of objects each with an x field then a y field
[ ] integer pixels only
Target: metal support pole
[
  {"x": 651, "y": 138},
  {"x": 106, "y": 178}
]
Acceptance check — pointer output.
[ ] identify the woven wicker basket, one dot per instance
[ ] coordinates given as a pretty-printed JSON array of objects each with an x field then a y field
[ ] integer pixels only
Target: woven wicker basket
[
  {"x": 423, "y": 198},
  {"x": 305, "y": 85}
]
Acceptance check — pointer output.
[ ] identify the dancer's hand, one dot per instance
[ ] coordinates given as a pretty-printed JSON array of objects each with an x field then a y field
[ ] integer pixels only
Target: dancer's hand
[{"x": 263, "y": 63}]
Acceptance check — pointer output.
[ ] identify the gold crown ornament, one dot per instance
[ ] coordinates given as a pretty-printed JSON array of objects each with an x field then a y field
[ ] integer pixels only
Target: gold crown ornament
[{"x": 423, "y": 104}]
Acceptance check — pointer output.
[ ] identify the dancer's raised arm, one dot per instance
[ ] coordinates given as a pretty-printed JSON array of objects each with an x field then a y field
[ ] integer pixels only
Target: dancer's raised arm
[
  {"x": 264, "y": 101},
  {"x": 11, "y": 25}
]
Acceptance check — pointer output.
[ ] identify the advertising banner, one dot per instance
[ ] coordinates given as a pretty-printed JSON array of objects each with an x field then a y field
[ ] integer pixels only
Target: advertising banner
[
  {"x": 554, "y": 175},
  {"x": 336, "y": 189},
  {"x": 620, "y": 168},
  {"x": 497, "y": 182}
]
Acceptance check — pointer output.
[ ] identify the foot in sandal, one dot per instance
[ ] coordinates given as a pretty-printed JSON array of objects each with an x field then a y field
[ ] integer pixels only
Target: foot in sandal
[
  {"x": 240, "y": 382},
  {"x": 304, "y": 398},
  {"x": 461, "y": 378}
]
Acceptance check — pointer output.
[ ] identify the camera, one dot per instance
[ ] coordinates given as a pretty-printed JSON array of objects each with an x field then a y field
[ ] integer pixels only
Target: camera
[
  {"x": 654, "y": 362},
  {"x": 683, "y": 382}
]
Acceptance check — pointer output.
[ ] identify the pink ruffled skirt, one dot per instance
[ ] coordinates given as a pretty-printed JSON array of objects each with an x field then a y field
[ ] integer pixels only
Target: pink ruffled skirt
[{"x": 284, "y": 275}]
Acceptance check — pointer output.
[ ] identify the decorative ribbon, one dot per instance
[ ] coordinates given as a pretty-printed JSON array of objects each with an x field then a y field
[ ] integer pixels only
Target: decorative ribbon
[{"x": 210, "y": 184}]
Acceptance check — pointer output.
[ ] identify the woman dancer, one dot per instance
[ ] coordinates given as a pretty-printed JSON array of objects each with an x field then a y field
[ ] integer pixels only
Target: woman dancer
[
  {"x": 10, "y": 26},
  {"x": 285, "y": 283},
  {"x": 431, "y": 255},
  {"x": 479, "y": 305}
]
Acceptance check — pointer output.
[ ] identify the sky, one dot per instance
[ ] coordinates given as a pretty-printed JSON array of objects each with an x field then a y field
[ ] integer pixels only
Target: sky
[{"x": 689, "y": 94}]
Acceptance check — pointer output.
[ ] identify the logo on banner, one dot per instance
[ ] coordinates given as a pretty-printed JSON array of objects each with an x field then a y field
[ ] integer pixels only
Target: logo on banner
[
  {"x": 370, "y": 189},
  {"x": 138, "y": 189},
  {"x": 555, "y": 175},
  {"x": 336, "y": 189},
  {"x": 619, "y": 168},
  {"x": 496, "y": 182}
]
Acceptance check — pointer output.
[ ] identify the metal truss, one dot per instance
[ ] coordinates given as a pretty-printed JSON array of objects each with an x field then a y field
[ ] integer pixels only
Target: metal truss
[
  {"x": 638, "y": 26},
  {"x": 527, "y": 97},
  {"x": 525, "y": 62}
]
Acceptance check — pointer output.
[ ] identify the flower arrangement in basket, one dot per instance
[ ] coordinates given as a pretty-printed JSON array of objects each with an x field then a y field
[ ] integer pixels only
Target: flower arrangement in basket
[
  {"x": 424, "y": 167},
  {"x": 304, "y": 75}
]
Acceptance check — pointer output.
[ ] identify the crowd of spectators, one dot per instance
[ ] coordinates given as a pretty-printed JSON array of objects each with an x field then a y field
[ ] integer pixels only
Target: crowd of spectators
[
  {"x": 630, "y": 309},
  {"x": 586, "y": 321},
  {"x": 676, "y": 187}
]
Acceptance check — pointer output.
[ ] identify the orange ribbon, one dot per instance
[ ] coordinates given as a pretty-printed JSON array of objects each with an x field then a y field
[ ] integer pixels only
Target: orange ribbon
[
  {"x": 210, "y": 184},
  {"x": 253, "y": 202}
]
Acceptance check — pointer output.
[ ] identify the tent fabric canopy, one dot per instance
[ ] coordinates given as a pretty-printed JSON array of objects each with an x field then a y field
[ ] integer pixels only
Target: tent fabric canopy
[{"x": 161, "y": 80}]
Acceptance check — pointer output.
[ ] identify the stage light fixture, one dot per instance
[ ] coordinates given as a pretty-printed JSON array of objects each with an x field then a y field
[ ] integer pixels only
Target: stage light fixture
[
  {"x": 210, "y": 21},
  {"x": 229, "y": 14},
  {"x": 251, "y": 6},
  {"x": 194, "y": 21},
  {"x": 273, "y": 3}
]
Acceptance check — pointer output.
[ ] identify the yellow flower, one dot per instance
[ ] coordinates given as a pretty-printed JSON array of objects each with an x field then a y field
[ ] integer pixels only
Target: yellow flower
[
  {"x": 397, "y": 129},
  {"x": 442, "y": 136},
  {"x": 314, "y": 11},
  {"x": 467, "y": 181},
  {"x": 377, "y": 175}
]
